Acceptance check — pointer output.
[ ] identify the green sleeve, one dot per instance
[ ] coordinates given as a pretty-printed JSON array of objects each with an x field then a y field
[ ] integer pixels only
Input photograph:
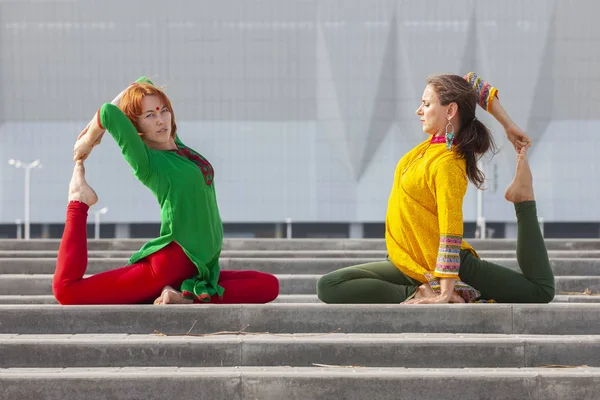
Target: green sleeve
[{"x": 132, "y": 146}]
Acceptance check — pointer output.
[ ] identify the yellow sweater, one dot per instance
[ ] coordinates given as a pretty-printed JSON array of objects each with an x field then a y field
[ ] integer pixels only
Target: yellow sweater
[{"x": 424, "y": 221}]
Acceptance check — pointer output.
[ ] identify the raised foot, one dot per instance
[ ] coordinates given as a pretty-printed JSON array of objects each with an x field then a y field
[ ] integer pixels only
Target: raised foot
[
  {"x": 79, "y": 190},
  {"x": 171, "y": 296},
  {"x": 521, "y": 188}
]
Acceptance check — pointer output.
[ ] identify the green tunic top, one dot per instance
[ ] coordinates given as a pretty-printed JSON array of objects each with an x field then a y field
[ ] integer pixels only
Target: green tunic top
[{"x": 188, "y": 204}]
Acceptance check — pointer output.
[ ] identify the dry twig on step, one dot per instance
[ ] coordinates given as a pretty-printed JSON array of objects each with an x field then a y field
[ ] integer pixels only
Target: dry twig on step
[
  {"x": 586, "y": 292},
  {"x": 336, "y": 366},
  {"x": 241, "y": 332}
]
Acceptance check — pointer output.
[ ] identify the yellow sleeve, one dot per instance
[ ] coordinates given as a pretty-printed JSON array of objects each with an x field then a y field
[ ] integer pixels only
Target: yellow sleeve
[{"x": 450, "y": 180}]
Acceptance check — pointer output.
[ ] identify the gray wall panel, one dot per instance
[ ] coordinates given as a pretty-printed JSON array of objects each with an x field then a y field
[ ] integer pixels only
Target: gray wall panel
[{"x": 303, "y": 106}]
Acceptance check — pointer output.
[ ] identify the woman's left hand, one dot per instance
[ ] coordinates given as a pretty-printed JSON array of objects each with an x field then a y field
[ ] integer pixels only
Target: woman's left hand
[
  {"x": 82, "y": 149},
  {"x": 84, "y": 132}
]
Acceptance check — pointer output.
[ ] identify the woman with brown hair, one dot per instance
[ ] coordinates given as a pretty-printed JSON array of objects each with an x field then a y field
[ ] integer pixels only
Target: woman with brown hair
[
  {"x": 186, "y": 254},
  {"x": 428, "y": 260}
]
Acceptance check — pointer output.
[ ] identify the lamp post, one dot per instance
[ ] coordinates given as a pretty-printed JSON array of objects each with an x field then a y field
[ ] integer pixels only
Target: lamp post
[
  {"x": 19, "y": 233},
  {"x": 97, "y": 214},
  {"x": 288, "y": 222},
  {"x": 27, "y": 168},
  {"x": 481, "y": 228}
]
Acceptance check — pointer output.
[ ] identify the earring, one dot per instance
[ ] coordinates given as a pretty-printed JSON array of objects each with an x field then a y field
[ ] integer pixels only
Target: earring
[{"x": 449, "y": 135}]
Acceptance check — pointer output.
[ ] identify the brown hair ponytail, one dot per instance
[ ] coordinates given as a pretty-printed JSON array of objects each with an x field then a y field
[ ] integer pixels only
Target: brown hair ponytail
[{"x": 473, "y": 139}]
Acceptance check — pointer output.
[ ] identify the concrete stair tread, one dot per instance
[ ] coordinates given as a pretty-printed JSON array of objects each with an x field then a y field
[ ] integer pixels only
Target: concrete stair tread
[
  {"x": 152, "y": 372},
  {"x": 316, "y": 383},
  {"x": 312, "y": 298},
  {"x": 296, "y": 350},
  {"x": 317, "y": 371},
  {"x": 260, "y": 337},
  {"x": 554, "y": 318},
  {"x": 28, "y": 299},
  {"x": 263, "y": 349}
]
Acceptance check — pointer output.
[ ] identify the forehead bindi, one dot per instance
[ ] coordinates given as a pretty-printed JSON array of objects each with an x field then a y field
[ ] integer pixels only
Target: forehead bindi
[{"x": 152, "y": 103}]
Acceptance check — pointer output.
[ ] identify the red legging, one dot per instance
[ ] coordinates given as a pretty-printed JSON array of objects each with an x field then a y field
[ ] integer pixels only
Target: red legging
[{"x": 143, "y": 281}]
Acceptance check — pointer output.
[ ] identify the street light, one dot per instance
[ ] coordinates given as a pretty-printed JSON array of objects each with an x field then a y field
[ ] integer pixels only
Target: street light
[
  {"x": 97, "y": 214},
  {"x": 28, "y": 168},
  {"x": 18, "y": 223},
  {"x": 288, "y": 234}
]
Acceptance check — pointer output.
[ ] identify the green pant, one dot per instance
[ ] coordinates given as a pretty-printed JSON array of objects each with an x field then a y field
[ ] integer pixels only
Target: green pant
[{"x": 381, "y": 282}]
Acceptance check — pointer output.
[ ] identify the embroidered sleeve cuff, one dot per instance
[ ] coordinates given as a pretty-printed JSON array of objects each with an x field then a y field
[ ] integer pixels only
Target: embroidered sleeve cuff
[
  {"x": 99, "y": 119},
  {"x": 468, "y": 293},
  {"x": 448, "y": 261},
  {"x": 493, "y": 95},
  {"x": 485, "y": 91}
]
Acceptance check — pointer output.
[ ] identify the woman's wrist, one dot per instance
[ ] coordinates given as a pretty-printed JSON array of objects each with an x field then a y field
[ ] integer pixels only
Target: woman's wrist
[
  {"x": 95, "y": 129},
  {"x": 500, "y": 114},
  {"x": 446, "y": 295},
  {"x": 447, "y": 287},
  {"x": 117, "y": 99}
]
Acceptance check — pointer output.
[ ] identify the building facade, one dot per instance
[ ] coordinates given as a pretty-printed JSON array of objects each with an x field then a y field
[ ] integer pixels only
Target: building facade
[{"x": 304, "y": 107}]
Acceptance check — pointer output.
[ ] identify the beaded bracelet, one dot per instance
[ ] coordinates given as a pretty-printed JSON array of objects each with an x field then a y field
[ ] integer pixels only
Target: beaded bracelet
[{"x": 486, "y": 93}]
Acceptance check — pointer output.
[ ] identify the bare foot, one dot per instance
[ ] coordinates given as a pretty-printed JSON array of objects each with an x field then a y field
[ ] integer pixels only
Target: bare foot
[
  {"x": 79, "y": 190},
  {"x": 456, "y": 298},
  {"x": 171, "y": 296},
  {"x": 521, "y": 188},
  {"x": 425, "y": 295},
  {"x": 424, "y": 291}
]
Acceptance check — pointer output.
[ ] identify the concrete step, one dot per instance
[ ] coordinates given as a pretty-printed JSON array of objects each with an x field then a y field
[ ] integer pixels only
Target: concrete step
[
  {"x": 312, "y": 298},
  {"x": 21, "y": 284},
  {"x": 411, "y": 350},
  {"x": 315, "y": 383},
  {"x": 373, "y": 254},
  {"x": 546, "y": 319},
  {"x": 283, "y": 298},
  {"x": 560, "y": 266},
  {"x": 29, "y": 299},
  {"x": 295, "y": 244}
]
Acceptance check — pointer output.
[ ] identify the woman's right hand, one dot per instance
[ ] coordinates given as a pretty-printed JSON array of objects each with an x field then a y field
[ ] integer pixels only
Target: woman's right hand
[
  {"x": 517, "y": 137},
  {"x": 425, "y": 295},
  {"x": 453, "y": 298}
]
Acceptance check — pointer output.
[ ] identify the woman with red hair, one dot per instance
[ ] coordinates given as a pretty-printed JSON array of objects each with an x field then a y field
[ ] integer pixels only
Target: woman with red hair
[{"x": 186, "y": 254}]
